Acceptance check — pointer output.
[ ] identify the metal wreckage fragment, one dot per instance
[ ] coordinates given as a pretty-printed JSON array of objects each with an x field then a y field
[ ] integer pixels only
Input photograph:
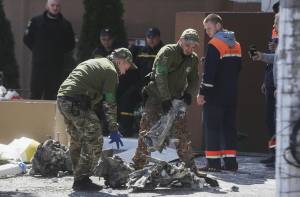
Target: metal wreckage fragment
[
  {"x": 119, "y": 174},
  {"x": 158, "y": 137},
  {"x": 164, "y": 174},
  {"x": 51, "y": 158},
  {"x": 114, "y": 171}
]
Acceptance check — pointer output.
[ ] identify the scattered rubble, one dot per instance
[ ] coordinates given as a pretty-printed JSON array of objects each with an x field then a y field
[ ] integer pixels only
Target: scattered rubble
[
  {"x": 164, "y": 174},
  {"x": 50, "y": 158},
  {"x": 114, "y": 171},
  {"x": 118, "y": 174}
]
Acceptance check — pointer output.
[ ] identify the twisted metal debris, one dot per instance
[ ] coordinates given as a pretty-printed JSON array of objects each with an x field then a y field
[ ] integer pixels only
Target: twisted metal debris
[{"x": 158, "y": 136}]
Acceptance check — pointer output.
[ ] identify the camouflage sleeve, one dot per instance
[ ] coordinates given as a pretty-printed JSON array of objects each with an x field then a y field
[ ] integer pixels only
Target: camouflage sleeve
[
  {"x": 111, "y": 115},
  {"x": 110, "y": 87},
  {"x": 193, "y": 78},
  {"x": 162, "y": 64}
]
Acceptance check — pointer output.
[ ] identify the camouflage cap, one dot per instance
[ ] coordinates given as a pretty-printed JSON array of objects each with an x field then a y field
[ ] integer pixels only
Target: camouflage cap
[
  {"x": 124, "y": 53},
  {"x": 190, "y": 35}
]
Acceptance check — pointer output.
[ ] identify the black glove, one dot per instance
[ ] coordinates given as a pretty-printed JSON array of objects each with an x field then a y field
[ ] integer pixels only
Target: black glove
[
  {"x": 166, "y": 106},
  {"x": 187, "y": 98}
]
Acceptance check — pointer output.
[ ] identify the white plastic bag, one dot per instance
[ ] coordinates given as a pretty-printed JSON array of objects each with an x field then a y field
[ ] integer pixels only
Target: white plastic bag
[
  {"x": 11, "y": 94},
  {"x": 24, "y": 147},
  {"x": 12, "y": 169},
  {"x": 7, "y": 153},
  {"x": 2, "y": 91}
]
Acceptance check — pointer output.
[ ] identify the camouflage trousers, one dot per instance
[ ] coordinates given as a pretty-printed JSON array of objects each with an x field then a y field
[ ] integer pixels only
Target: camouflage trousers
[
  {"x": 151, "y": 115},
  {"x": 86, "y": 137}
]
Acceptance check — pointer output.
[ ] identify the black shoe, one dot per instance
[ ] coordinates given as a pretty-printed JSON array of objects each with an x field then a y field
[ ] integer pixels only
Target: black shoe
[
  {"x": 270, "y": 159},
  {"x": 85, "y": 184},
  {"x": 207, "y": 168},
  {"x": 230, "y": 164},
  {"x": 213, "y": 165}
]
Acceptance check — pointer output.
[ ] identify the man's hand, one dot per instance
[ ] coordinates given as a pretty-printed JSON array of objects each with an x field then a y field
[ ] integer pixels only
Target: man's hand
[
  {"x": 263, "y": 88},
  {"x": 115, "y": 136},
  {"x": 257, "y": 56},
  {"x": 200, "y": 100},
  {"x": 166, "y": 106},
  {"x": 187, "y": 98}
]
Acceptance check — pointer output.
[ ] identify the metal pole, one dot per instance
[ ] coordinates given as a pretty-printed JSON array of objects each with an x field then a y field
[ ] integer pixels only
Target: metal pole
[{"x": 288, "y": 96}]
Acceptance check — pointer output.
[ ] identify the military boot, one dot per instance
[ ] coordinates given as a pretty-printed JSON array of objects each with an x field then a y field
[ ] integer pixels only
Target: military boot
[{"x": 85, "y": 184}]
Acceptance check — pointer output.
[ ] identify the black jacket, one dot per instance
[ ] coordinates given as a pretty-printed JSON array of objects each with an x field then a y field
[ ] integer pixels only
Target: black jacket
[
  {"x": 49, "y": 39},
  {"x": 100, "y": 51},
  {"x": 144, "y": 57},
  {"x": 221, "y": 71}
]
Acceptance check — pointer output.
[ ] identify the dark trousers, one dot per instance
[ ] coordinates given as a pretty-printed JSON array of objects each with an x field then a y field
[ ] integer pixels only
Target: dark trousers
[
  {"x": 45, "y": 84},
  {"x": 270, "y": 111},
  {"x": 220, "y": 134},
  {"x": 127, "y": 103}
]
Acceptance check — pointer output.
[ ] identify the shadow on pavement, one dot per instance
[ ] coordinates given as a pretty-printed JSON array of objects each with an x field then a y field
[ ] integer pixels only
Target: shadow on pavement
[
  {"x": 17, "y": 194},
  {"x": 95, "y": 194},
  {"x": 250, "y": 172},
  {"x": 181, "y": 191}
]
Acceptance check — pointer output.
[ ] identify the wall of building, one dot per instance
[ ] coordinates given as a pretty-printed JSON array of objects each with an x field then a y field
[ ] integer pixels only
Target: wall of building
[
  {"x": 138, "y": 16},
  {"x": 141, "y": 14}
]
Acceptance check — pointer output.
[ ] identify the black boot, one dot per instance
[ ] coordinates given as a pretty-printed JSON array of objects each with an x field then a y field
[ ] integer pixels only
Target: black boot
[
  {"x": 85, "y": 184},
  {"x": 230, "y": 164},
  {"x": 213, "y": 165}
]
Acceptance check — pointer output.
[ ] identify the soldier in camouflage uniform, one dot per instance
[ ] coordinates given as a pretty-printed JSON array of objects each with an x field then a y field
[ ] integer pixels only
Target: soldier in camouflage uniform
[
  {"x": 90, "y": 82},
  {"x": 174, "y": 76}
]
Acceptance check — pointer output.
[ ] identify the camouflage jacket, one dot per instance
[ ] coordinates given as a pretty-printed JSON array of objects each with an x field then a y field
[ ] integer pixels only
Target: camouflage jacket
[
  {"x": 173, "y": 73},
  {"x": 94, "y": 78}
]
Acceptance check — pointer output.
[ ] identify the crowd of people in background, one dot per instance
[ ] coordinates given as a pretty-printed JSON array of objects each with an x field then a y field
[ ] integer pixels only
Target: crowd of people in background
[{"x": 117, "y": 82}]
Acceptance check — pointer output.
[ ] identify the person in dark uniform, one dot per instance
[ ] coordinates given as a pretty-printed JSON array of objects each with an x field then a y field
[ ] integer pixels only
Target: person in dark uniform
[
  {"x": 106, "y": 44},
  {"x": 268, "y": 89},
  {"x": 130, "y": 86},
  {"x": 127, "y": 100},
  {"x": 49, "y": 36},
  {"x": 144, "y": 56},
  {"x": 128, "y": 95},
  {"x": 218, "y": 95}
]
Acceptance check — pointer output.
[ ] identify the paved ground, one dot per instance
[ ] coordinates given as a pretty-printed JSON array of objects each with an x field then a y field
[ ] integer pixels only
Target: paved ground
[{"x": 253, "y": 179}]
